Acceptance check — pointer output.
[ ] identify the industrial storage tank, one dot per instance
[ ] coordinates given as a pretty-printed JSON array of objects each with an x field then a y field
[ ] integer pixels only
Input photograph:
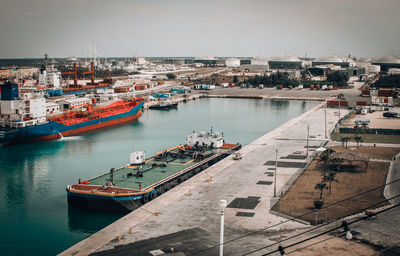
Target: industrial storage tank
[
  {"x": 330, "y": 59},
  {"x": 387, "y": 62},
  {"x": 394, "y": 71},
  {"x": 285, "y": 62},
  {"x": 232, "y": 62}
]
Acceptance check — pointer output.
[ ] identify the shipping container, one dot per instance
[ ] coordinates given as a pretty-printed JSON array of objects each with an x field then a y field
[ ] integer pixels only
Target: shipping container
[
  {"x": 140, "y": 87},
  {"x": 362, "y": 103},
  {"x": 386, "y": 92},
  {"x": 365, "y": 93},
  {"x": 336, "y": 103},
  {"x": 121, "y": 89}
]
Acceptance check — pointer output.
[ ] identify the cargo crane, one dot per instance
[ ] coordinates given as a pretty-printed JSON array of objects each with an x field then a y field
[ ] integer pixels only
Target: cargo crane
[
  {"x": 75, "y": 73},
  {"x": 90, "y": 72},
  {"x": 108, "y": 78}
]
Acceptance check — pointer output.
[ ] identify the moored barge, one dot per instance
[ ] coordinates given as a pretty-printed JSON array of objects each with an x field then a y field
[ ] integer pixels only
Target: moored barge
[{"x": 131, "y": 186}]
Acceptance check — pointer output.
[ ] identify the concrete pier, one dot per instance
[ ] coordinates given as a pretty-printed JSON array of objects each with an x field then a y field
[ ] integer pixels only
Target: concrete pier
[{"x": 187, "y": 217}]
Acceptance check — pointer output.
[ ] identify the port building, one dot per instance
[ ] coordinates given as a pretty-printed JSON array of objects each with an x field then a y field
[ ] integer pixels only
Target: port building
[{"x": 232, "y": 62}]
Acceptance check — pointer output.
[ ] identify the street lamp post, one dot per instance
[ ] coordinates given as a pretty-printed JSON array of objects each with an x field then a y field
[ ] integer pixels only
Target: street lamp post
[
  {"x": 325, "y": 124},
  {"x": 308, "y": 131},
  {"x": 276, "y": 166},
  {"x": 221, "y": 238},
  {"x": 340, "y": 99}
]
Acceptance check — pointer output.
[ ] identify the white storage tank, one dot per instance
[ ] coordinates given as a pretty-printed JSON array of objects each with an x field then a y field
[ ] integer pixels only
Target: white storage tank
[{"x": 394, "y": 71}]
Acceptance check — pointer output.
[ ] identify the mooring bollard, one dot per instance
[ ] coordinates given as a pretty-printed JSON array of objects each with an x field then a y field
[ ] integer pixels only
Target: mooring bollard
[
  {"x": 157, "y": 213},
  {"x": 190, "y": 192},
  {"x": 119, "y": 238},
  {"x": 210, "y": 179},
  {"x": 130, "y": 230}
]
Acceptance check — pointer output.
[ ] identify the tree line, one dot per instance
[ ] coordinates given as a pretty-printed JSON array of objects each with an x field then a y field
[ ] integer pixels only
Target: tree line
[
  {"x": 390, "y": 81},
  {"x": 336, "y": 78}
]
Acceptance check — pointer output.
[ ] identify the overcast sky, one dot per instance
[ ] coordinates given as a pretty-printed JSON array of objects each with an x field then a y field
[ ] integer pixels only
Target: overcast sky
[{"x": 362, "y": 28}]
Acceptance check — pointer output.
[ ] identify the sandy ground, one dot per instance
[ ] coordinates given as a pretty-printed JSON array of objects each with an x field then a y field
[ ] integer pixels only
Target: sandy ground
[
  {"x": 377, "y": 121},
  {"x": 299, "y": 200}
]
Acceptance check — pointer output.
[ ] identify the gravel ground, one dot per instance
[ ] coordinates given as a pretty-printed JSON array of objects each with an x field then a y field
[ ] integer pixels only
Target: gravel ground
[{"x": 351, "y": 94}]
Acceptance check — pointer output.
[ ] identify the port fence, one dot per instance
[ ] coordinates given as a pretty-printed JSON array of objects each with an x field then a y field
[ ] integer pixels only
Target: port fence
[
  {"x": 289, "y": 183},
  {"x": 380, "y": 238},
  {"x": 371, "y": 131},
  {"x": 337, "y": 126}
]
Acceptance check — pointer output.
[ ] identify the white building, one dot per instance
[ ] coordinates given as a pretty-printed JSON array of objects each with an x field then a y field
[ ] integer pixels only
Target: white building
[
  {"x": 141, "y": 61},
  {"x": 261, "y": 61},
  {"x": 52, "y": 108},
  {"x": 382, "y": 101},
  {"x": 373, "y": 69},
  {"x": 232, "y": 62},
  {"x": 74, "y": 103}
]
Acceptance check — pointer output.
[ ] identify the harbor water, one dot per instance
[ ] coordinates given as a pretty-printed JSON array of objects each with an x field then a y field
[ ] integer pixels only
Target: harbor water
[{"x": 34, "y": 216}]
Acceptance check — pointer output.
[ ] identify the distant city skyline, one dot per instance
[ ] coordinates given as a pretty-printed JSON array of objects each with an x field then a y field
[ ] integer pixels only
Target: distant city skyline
[{"x": 168, "y": 28}]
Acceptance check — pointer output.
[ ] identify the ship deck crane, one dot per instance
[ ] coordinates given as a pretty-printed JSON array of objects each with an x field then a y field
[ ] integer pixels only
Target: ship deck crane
[
  {"x": 90, "y": 72},
  {"x": 75, "y": 73}
]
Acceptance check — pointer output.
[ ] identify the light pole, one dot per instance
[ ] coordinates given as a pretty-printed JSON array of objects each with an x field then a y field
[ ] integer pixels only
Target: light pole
[
  {"x": 340, "y": 99},
  {"x": 222, "y": 204},
  {"x": 276, "y": 166},
  {"x": 325, "y": 124},
  {"x": 308, "y": 131}
]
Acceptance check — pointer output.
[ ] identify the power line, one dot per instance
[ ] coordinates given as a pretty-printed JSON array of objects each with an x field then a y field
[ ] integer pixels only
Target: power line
[
  {"x": 329, "y": 238},
  {"x": 299, "y": 216},
  {"x": 323, "y": 233},
  {"x": 387, "y": 248}
]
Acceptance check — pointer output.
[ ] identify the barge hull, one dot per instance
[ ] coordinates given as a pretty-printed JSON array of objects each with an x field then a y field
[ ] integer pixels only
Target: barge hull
[{"x": 127, "y": 203}]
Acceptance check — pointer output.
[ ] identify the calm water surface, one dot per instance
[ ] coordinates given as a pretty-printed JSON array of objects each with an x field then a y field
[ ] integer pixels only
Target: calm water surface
[{"x": 34, "y": 216}]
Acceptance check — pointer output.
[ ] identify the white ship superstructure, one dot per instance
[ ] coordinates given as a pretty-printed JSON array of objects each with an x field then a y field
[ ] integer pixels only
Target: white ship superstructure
[
  {"x": 210, "y": 139},
  {"x": 49, "y": 78},
  {"x": 21, "y": 109}
]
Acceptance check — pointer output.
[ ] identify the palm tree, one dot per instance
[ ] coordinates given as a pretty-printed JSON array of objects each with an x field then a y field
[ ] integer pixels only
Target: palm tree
[
  {"x": 337, "y": 164},
  {"x": 321, "y": 186},
  {"x": 358, "y": 139},
  {"x": 364, "y": 127},
  {"x": 331, "y": 178},
  {"x": 344, "y": 141},
  {"x": 356, "y": 130}
]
